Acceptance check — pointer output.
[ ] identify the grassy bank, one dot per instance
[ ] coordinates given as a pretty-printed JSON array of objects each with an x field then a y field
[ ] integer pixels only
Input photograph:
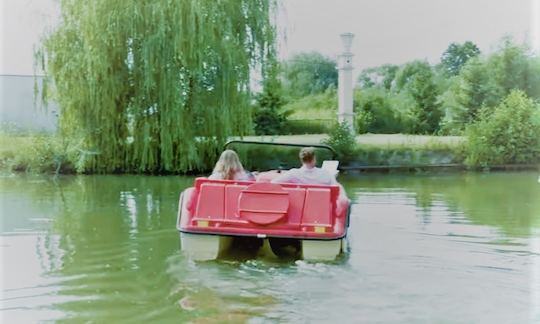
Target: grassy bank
[
  {"x": 372, "y": 150},
  {"x": 38, "y": 153},
  {"x": 48, "y": 154},
  {"x": 376, "y": 140}
]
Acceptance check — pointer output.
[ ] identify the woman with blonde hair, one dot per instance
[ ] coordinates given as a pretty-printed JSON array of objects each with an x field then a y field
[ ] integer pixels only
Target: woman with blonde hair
[{"x": 228, "y": 167}]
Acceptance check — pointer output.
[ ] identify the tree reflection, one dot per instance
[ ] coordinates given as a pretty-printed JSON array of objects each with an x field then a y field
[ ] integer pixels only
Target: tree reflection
[
  {"x": 509, "y": 201},
  {"x": 109, "y": 240}
]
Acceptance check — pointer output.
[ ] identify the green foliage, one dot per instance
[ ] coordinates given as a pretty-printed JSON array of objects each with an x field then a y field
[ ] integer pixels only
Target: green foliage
[
  {"x": 37, "y": 153},
  {"x": 366, "y": 79},
  {"x": 509, "y": 133},
  {"x": 420, "y": 99},
  {"x": 155, "y": 86},
  {"x": 477, "y": 89},
  {"x": 269, "y": 121},
  {"x": 388, "y": 73},
  {"x": 456, "y": 115},
  {"x": 342, "y": 139},
  {"x": 404, "y": 106},
  {"x": 417, "y": 79},
  {"x": 533, "y": 77},
  {"x": 382, "y": 76},
  {"x": 484, "y": 82},
  {"x": 318, "y": 106},
  {"x": 456, "y": 55},
  {"x": 374, "y": 112},
  {"x": 309, "y": 126},
  {"x": 509, "y": 68},
  {"x": 309, "y": 73},
  {"x": 312, "y": 114},
  {"x": 466, "y": 95},
  {"x": 268, "y": 117},
  {"x": 407, "y": 155}
]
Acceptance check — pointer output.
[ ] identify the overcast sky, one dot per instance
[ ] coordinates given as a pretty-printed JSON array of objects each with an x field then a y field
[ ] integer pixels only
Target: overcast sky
[{"x": 386, "y": 31}]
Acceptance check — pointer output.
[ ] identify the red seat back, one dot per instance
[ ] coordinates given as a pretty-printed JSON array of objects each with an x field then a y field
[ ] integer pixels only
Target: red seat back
[
  {"x": 264, "y": 203},
  {"x": 232, "y": 195},
  {"x": 296, "y": 204},
  {"x": 317, "y": 208},
  {"x": 211, "y": 201}
]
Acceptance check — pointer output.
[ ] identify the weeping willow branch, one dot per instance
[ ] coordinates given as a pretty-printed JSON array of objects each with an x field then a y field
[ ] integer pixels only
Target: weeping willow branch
[{"x": 155, "y": 86}]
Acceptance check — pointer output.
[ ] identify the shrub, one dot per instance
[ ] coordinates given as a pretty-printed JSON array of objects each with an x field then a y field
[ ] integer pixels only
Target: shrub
[
  {"x": 319, "y": 106},
  {"x": 268, "y": 117},
  {"x": 375, "y": 113},
  {"x": 309, "y": 126},
  {"x": 342, "y": 139},
  {"x": 509, "y": 133},
  {"x": 269, "y": 121},
  {"x": 309, "y": 73},
  {"x": 36, "y": 153}
]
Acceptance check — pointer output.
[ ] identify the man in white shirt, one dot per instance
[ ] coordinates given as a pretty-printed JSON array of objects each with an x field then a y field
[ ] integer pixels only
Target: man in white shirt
[{"x": 308, "y": 173}]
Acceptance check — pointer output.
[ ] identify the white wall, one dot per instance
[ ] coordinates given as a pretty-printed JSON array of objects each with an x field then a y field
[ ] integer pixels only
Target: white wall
[{"x": 19, "y": 110}]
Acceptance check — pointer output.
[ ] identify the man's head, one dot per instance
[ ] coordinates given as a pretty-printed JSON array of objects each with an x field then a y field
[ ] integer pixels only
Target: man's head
[{"x": 307, "y": 156}]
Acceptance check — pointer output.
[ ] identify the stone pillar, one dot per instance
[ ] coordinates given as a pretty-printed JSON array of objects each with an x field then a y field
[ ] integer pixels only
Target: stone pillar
[{"x": 345, "y": 84}]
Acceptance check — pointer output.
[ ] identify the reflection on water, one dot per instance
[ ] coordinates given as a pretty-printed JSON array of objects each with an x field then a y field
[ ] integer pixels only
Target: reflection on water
[{"x": 446, "y": 248}]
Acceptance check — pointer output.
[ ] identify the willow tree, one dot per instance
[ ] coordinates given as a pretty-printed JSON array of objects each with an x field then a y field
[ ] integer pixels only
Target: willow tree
[{"x": 155, "y": 86}]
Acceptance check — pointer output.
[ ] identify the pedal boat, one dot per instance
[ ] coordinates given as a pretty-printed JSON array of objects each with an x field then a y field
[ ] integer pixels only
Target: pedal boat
[{"x": 213, "y": 213}]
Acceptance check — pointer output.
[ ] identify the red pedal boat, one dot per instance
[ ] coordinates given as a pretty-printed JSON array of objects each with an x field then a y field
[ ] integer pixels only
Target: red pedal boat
[{"x": 213, "y": 213}]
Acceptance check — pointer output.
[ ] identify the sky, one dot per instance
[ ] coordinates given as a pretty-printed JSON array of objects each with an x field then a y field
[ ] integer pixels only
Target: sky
[
  {"x": 397, "y": 31},
  {"x": 22, "y": 23},
  {"x": 386, "y": 31}
]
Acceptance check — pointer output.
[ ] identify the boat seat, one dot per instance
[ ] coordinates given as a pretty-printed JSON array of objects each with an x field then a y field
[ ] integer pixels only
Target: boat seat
[
  {"x": 214, "y": 192},
  {"x": 307, "y": 205},
  {"x": 317, "y": 207},
  {"x": 296, "y": 204},
  {"x": 232, "y": 195}
]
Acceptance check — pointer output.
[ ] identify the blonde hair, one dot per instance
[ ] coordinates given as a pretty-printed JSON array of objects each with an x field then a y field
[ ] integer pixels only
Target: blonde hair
[
  {"x": 307, "y": 154},
  {"x": 228, "y": 165}
]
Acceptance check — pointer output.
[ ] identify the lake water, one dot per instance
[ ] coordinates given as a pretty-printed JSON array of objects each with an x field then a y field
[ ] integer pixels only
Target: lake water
[{"x": 425, "y": 248}]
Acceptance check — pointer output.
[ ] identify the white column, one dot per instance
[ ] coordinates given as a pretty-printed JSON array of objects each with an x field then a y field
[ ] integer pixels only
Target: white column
[{"x": 345, "y": 89}]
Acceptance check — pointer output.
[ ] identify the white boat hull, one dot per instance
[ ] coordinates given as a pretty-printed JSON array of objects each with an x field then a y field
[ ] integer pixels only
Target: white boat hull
[
  {"x": 202, "y": 247},
  {"x": 321, "y": 250}
]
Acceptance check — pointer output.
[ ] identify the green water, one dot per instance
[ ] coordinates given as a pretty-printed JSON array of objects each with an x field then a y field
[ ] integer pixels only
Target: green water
[{"x": 459, "y": 248}]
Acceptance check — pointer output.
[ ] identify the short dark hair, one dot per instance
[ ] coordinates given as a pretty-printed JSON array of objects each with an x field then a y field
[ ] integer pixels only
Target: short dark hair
[{"x": 307, "y": 154}]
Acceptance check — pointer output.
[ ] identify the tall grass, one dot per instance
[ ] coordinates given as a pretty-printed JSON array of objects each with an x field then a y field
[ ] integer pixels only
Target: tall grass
[{"x": 38, "y": 153}]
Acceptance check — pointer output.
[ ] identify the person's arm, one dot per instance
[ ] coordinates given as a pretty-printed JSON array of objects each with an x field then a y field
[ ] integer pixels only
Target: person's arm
[
  {"x": 286, "y": 177},
  {"x": 327, "y": 178},
  {"x": 334, "y": 181},
  {"x": 246, "y": 176}
]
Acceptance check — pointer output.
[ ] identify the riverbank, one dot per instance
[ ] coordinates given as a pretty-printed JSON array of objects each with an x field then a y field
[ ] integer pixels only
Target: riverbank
[
  {"x": 392, "y": 152},
  {"x": 378, "y": 152},
  {"x": 378, "y": 140},
  {"x": 375, "y": 150},
  {"x": 374, "y": 153},
  {"x": 35, "y": 153}
]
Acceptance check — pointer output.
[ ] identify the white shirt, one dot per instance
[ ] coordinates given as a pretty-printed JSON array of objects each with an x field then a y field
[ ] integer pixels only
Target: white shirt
[{"x": 307, "y": 175}]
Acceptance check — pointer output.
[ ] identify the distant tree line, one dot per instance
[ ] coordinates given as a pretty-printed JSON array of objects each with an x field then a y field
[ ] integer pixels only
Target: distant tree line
[
  {"x": 457, "y": 96},
  {"x": 419, "y": 98}
]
